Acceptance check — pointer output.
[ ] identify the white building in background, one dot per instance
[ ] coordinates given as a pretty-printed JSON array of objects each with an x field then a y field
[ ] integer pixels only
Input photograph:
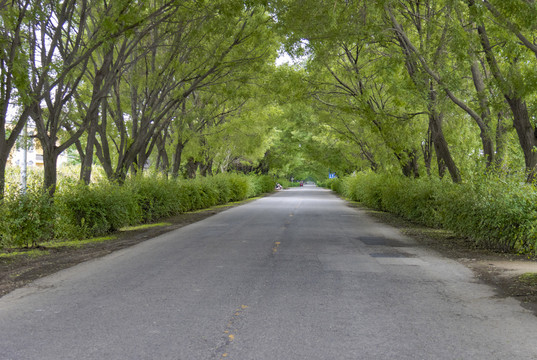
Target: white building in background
[{"x": 34, "y": 153}]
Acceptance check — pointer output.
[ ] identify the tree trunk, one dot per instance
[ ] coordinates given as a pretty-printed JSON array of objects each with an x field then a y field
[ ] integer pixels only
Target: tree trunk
[
  {"x": 191, "y": 167},
  {"x": 367, "y": 155},
  {"x": 102, "y": 149},
  {"x": 488, "y": 149},
  {"x": 87, "y": 161},
  {"x": 263, "y": 167},
  {"x": 143, "y": 157},
  {"x": 484, "y": 127},
  {"x": 50, "y": 161},
  {"x": 163, "y": 162},
  {"x": 104, "y": 157},
  {"x": 410, "y": 167},
  {"x": 441, "y": 147},
  {"x": 500, "y": 142},
  {"x": 427, "y": 149},
  {"x": 7, "y": 144},
  {"x": 527, "y": 135},
  {"x": 3, "y": 163},
  {"x": 206, "y": 168},
  {"x": 78, "y": 144},
  {"x": 177, "y": 158}
]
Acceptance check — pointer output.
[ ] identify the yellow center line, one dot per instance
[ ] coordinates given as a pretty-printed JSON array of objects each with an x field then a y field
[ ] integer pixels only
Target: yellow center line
[{"x": 229, "y": 337}]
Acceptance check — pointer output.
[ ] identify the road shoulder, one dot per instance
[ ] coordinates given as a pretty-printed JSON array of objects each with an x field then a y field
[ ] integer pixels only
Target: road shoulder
[
  {"x": 511, "y": 275},
  {"x": 18, "y": 271}
]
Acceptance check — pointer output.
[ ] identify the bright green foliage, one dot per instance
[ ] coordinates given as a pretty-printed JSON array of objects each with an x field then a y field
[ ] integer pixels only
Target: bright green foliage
[
  {"x": 86, "y": 211},
  {"x": 100, "y": 209},
  {"x": 335, "y": 184},
  {"x": 157, "y": 197},
  {"x": 260, "y": 185},
  {"x": 26, "y": 219}
]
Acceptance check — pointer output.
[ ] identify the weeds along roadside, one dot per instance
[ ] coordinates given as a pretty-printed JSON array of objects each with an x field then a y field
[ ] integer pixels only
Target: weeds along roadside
[
  {"x": 496, "y": 213},
  {"x": 80, "y": 212}
]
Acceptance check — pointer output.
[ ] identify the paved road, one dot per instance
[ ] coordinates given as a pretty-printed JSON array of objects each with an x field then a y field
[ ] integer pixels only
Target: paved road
[{"x": 297, "y": 275}]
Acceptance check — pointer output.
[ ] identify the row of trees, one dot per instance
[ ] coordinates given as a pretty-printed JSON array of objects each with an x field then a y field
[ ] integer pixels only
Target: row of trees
[
  {"x": 126, "y": 81},
  {"x": 426, "y": 86},
  {"x": 443, "y": 87}
]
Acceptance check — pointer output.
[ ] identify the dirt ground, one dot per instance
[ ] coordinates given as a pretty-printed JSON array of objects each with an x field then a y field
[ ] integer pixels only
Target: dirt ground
[{"x": 503, "y": 271}]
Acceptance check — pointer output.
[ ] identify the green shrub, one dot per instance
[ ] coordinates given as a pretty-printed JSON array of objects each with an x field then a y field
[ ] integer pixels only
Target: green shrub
[
  {"x": 496, "y": 214},
  {"x": 240, "y": 186},
  {"x": 88, "y": 211},
  {"x": 222, "y": 187},
  {"x": 334, "y": 184},
  {"x": 262, "y": 184},
  {"x": 155, "y": 197},
  {"x": 365, "y": 188},
  {"x": 26, "y": 219},
  {"x": 81, "y": 211},
  {"x": 414, "y": 199}
]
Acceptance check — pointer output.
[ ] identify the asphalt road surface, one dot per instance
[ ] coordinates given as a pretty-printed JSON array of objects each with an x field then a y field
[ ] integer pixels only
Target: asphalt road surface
[{"x": 296, "y": 275}]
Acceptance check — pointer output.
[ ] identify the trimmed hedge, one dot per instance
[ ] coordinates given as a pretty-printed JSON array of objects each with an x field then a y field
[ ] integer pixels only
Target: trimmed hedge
[
  {"x": 95, "y": 210},
  {"x": 495, "y": 213},
  {"x": 80, "y": 211}
]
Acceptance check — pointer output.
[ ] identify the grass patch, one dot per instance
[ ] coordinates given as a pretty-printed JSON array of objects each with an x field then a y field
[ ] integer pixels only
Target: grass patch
[
  {"x": 230, "y": 204},
  {"x": 528, "y": 278},
  {"x": 233, "y": 203},
  {"x": 204, "y": 210},
  {"x": 30, "y": 253},
  {"x": 436, "y": 233},
  {"x": 144, "y": 226},
  {"x": 77, "y": 243}
]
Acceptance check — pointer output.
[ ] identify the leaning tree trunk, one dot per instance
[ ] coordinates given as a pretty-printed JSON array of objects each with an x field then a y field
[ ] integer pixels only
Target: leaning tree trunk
[
  {"x": 441, "y": 147},
  {"x": 527, "y": 135},
  {"x": 485, "y": 132},
  {"x": 443, "y": 154}
]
